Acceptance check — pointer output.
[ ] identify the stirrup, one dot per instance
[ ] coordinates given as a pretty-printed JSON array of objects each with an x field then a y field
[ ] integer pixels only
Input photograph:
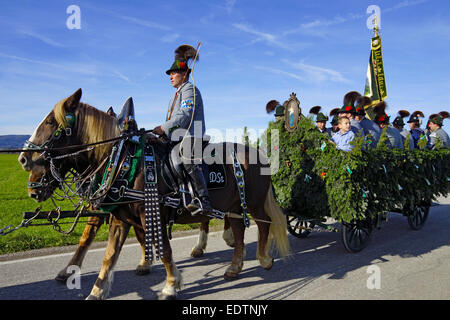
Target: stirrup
[{"x": 194, "y": 203}]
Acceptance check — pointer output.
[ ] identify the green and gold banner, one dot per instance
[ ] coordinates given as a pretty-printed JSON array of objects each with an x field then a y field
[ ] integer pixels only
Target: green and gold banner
[{"x": 375, "y": 81}]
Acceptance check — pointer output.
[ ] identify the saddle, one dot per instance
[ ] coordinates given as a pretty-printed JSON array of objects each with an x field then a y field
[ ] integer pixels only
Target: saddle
[{"x": 213, "y": 168}]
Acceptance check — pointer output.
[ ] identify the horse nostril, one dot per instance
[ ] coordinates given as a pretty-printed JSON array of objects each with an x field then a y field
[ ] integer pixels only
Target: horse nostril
[
  {"x": 23, "y": 161},
  {"x": 34, "y": 196}
]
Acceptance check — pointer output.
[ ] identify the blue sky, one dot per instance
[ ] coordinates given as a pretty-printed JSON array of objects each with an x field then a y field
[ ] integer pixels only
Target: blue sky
[{"x": 252, "y": 52}]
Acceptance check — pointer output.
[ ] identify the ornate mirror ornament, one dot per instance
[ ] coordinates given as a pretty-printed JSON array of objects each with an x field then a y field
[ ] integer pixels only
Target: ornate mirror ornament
[{"x": 292, "y": 112}]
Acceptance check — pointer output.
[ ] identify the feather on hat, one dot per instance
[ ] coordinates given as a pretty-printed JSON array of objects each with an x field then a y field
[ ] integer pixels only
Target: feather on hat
[
  {"x": 351, "y": 97},
  {"x": 271, "y": 105},
  {"x": 183, "y": 54},
  {"x": 315, "y": 110},
  {"x": 444, "y": 114},
  {"x": 334, "y": 111}
]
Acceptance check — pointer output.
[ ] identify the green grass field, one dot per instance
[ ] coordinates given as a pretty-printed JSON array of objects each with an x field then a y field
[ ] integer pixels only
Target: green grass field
[{"x": 14, "y": 201}]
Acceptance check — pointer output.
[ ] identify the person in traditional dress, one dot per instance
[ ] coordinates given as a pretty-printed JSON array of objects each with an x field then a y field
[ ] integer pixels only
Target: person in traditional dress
[
  {"x": 414, "y": 125},
  {"x": 399, "y": 124},
  {"x": 185, "y": 124},
  {"x": 395, "y": 139},
  {"x": 438, "y": 136}
]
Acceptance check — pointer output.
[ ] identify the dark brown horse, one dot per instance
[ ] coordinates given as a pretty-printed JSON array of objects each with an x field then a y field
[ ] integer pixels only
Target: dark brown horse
[{"x": 91, "y": 125}]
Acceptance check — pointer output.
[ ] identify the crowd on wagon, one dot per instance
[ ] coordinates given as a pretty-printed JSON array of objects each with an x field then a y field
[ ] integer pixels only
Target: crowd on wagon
[{"x": 352, "y": 120}]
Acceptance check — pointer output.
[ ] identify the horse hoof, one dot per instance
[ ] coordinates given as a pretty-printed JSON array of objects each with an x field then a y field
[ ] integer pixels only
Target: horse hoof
[
  {"x": 142, "y": 271},
  {"x": 230, "y": 276},
  {"x": 62, "y": 276},
  {"x": 92, "y": 297},
  {"x": 269, "y": 266},
  {"x": 162, "y": 296},
  {"x": 196, "y": 253}
]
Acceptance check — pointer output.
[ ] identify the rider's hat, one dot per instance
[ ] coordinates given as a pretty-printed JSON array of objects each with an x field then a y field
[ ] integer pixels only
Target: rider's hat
[{"x": 183, "y": 54}]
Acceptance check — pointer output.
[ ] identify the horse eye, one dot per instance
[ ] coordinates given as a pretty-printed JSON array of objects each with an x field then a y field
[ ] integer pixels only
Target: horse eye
[{"x": 50, "y": 122}]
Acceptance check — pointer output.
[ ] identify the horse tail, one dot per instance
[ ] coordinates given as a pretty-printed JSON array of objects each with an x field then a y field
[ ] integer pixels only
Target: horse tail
[{"x": 278, "y": 227}]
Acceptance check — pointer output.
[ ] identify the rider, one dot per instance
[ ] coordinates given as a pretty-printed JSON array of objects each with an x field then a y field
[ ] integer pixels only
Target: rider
[{"x": 185, "y": 114}]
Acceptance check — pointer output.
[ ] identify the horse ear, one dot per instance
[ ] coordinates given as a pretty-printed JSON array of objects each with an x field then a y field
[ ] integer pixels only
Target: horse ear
[{"x": 73, "y": 101}]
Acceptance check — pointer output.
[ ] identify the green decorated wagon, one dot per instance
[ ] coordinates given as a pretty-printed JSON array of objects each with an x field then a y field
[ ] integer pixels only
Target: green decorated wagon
[{"x": 313, "y": 180}]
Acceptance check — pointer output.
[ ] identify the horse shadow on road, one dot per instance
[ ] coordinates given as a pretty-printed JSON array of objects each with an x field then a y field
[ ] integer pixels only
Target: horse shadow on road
[{"x": 321, "y": 254}]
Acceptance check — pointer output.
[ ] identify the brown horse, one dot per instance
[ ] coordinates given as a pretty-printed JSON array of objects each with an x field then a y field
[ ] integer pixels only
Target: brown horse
[{"x": 91, "y": 125}]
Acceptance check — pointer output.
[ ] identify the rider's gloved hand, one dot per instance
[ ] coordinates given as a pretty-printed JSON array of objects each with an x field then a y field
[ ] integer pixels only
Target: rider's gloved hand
[{"x": 158, "y": 130}]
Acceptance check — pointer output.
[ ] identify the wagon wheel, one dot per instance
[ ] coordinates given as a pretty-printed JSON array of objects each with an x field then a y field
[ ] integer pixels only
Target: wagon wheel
[
  {"x": 299, "y": 227},
  {"x": 356, "y": 234},
  {"x": 418, "y": 216}
]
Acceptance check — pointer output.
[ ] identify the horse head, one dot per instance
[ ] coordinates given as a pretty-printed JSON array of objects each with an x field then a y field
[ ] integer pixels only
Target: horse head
[{"x": 69, "y": 123}]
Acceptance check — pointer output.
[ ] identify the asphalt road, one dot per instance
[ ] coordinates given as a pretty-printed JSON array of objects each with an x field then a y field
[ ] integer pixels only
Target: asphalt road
[{"x": 399, "y": 263}]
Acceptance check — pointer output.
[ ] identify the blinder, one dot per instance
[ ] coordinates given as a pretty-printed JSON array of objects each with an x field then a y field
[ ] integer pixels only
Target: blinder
[{"x": 56, "y": 135}]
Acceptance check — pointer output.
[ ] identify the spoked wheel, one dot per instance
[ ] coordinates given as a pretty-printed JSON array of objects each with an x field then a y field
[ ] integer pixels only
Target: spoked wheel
[
  {"x": 356, "y": 234},
  {"x": 299, "y": 227},
  {"x": 418, "y": 216}
]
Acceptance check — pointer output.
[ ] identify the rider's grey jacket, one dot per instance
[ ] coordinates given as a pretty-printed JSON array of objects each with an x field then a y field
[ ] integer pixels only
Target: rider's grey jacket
[{"x": 179, "y": 115}]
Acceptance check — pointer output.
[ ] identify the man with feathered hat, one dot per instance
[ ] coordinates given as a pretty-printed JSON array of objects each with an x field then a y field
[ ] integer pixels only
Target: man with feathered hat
[
  {"x": 321, "y": 120},
  {"x": 371, "y": 130},
  {"x": 185, "y": 114},
  {"x": 348, "y": 110},
  {"x": 437, "y": 133},
  {"x": 382, "y": 119},
  {"x": 399, "y": 124},
  {"x": 414, "y": 124}
]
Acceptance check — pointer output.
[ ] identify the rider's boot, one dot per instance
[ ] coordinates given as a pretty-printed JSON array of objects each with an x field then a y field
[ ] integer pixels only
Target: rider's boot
[{"x": 199, "y": 183}]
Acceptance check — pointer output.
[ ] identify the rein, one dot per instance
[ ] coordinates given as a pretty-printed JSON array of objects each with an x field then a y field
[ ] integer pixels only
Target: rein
[{"x": 43, "y": 147}]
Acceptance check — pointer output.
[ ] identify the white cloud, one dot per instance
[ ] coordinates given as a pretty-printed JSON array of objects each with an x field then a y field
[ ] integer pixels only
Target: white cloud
[
  {"x": 137, "y": 21},
  {"x": 261, "y": 36},
  {"x": 143, "y": 23},
  {"x": 229, "y": 5},
  {"x": 280, "y": 72},
  {"x": 42, "y": 38},
  {"x": 169, "y": 38},
  {"x": 318, "y": 74},
  {"x": 404, "y": 4},
  {"x": 318, "y": 27},
  {"x": 121, "y": 76}
]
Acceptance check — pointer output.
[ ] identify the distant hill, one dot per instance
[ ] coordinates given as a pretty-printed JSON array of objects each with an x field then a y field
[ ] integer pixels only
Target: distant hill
[{"x": 13, "y": 141}]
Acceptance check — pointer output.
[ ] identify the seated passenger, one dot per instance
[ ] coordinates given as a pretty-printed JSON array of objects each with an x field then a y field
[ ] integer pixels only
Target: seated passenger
[{"x": 344, "y": 136}]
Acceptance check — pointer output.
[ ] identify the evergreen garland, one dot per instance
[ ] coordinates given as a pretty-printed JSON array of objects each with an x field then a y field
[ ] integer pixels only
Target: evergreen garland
[{"x": 315, "y": 179}]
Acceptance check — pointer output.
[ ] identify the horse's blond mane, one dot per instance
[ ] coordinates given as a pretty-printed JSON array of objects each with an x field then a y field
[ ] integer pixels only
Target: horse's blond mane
[{"x": 92, "y": 125}]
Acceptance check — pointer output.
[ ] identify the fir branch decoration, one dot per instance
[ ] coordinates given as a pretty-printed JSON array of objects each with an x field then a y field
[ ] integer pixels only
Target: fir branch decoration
[{"x": 372, "y": 188}]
